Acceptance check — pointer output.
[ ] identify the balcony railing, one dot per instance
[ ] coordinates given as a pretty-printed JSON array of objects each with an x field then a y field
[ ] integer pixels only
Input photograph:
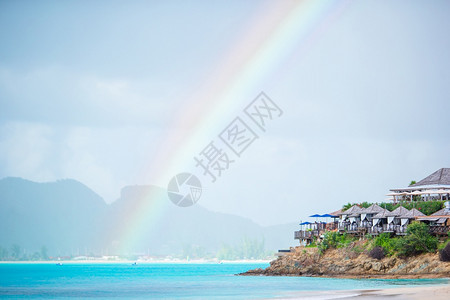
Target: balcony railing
[
  {"x": 304, "y": 235},
  {"x": 439, "y": 229},
  {"x": 391, "y": 228},
  {"x": 367, "y": 228}
]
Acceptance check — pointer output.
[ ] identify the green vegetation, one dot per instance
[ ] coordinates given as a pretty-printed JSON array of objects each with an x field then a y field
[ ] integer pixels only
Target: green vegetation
[
  {"x": 426, "y": 207},
  {"x": 333, "y": 239},
  {"x": 364, "y": 204},
  {"x": 387, "y": 243},
  {"x": 193, "y": 251},
  {"x": 418, "y": 240},
  {"x": 15, "y": 253},
  {"x": 248, "y": 249}
]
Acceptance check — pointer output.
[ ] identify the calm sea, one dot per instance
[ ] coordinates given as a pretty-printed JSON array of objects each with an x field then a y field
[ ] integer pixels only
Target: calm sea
[{"x": 167, "y": 281}]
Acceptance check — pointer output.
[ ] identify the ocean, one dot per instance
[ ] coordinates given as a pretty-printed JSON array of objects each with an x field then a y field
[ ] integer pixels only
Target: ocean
[{"x": 169, "y": 281}]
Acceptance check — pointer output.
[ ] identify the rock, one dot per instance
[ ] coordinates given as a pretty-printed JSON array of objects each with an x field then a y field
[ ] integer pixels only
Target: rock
[
  {"x": 377, "y": 266},
  {"x": 367, "y": 266},
  {"x": 306, "y": 262}
]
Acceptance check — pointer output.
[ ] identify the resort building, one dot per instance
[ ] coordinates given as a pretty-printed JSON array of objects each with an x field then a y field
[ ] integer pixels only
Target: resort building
[
  {"x": 434, "y": 187},
  {"x": 376, "y": 219},
  {"x": 439, "y": 221}
]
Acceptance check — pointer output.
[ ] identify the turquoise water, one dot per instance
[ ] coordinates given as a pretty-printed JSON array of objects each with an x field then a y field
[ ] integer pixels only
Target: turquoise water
[{"x": 167, "y": 281}]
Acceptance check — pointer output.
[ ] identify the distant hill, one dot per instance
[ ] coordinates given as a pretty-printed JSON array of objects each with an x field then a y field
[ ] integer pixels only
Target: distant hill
[
  {"x": 69, "y": 219},
  {"x": 64, "y": 216}
]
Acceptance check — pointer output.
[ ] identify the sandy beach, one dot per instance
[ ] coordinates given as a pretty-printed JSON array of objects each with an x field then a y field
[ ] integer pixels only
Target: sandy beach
[
  {"x": 430, "y": 292},
  {"x": 439, "y": 292}
]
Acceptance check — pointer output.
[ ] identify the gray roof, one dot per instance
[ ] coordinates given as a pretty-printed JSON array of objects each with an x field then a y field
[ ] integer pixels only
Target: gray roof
[
  {"x": 352, "y": 210},
  {"x": 413, "y": 213},
  {"x": 336, "y": 213},
  {"x": 398, "y": 212},
  {"x": 381, "y": 214},
  {"x": 373, "y": 209},
  {"x": 355, "y": 215},
  {"x": 440, "y": 177},
  {"x": 442, "y": 212}
]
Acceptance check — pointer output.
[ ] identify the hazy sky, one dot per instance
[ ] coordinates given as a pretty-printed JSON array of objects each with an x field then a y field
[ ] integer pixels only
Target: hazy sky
[{"x": 93, "y": 90}]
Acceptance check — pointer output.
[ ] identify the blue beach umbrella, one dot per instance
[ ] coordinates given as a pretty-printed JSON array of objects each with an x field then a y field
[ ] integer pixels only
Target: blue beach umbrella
[
  {"x": 305, "y": 223},
  {"x": 316, "y": 216},
  {"x": 329, "y": 216}
]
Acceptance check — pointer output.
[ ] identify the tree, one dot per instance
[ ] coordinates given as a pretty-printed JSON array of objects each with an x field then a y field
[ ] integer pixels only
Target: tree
[
  {"x": 226, "y": 253},
  {"x": 418, "y": 240},
  {"x": 3, "y": 253},
  {"x": 36, "y": 256},
  {"x": 346, "y": 206},
  {"x": 43, "y": 253},
  {"x": 15, "y": 252},
  {"x": 413, "y": 182}
]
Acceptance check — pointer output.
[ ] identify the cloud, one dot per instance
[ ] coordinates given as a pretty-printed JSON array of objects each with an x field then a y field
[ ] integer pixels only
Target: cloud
[
  {"x": 105, "y": 159},
  {"x": 27, "y": 149},
  {"x": 60, "y": 96}
]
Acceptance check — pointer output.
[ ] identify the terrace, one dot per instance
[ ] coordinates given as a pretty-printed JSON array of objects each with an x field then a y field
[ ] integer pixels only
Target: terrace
[{"x": 375, "y": 219}]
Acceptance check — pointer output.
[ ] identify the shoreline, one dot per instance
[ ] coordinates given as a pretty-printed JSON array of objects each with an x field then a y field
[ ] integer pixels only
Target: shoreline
[
  {"x": 435, "y": 292},
  {"x": 360, "y": 276},
  {"x": 156, "y": 261}
]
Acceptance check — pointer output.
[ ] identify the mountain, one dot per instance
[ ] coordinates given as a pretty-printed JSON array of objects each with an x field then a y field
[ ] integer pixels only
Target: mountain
[
  {"x": 64, "y": 215},
  {"x": 69, "y": 219}
]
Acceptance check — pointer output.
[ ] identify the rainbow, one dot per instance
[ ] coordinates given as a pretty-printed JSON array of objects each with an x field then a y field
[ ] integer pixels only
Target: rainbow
[{"x": 276, "y": 33}]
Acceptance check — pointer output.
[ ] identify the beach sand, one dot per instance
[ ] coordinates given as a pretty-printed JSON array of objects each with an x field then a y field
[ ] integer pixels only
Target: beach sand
[
  {"x": 416, "y": 293},
  {"x": 439, "y": 292}
]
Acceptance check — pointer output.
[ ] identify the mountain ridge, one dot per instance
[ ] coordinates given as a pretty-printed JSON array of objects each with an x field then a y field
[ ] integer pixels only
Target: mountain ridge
[{"x": 69, "y": 218}]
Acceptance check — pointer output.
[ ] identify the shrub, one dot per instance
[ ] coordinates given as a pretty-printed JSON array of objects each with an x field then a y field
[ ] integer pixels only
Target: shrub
[
  {"x": 418, "y": 240},
  {"x": 444, "y": 254},
  {"x": 333, "y": 239},
  {"x": 387, "y": 243},
  {"x": 377, "y": 252}
]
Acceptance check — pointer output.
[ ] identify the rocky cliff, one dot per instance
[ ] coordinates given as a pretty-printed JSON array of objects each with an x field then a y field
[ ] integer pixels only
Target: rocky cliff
[{"x": 351, "y": 262}]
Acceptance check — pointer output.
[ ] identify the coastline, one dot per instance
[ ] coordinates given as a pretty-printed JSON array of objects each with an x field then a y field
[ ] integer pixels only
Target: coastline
[
  {"x": 156, "y": 261},
  {"x": 383, "y": 276},
  {"x": 345, "y": 263},
  {"x": 437, "y": 292}
]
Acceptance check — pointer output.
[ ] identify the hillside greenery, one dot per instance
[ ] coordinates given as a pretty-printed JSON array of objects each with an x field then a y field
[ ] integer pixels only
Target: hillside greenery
[{"x": 417, "y": 240}]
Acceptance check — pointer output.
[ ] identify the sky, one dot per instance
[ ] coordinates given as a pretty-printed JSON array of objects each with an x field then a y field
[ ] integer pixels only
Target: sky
[{"x": 116, "y": 93}]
